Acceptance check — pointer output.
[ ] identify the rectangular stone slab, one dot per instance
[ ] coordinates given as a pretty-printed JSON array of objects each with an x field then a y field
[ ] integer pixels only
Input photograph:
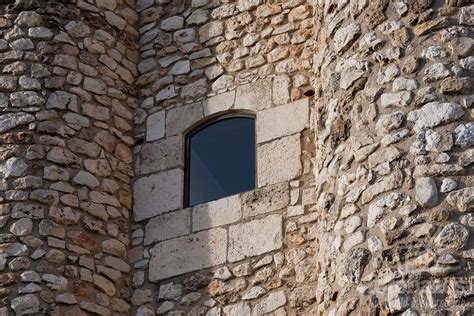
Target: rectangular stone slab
[{"x": 189, "y": 253}]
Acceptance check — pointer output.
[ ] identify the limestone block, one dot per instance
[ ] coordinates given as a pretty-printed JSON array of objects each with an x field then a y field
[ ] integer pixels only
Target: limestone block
[
  {"x": 157, "y": 194},
  {"x": 155, "y": 126},
  {"x": 282, "y": 120},
  {"x": 219, "y": 103},
  {"x": 217, "y": 213},
  {"x": 181, "y": 118},
  {"x": 264, "y": 200},
  {"x": 270, "y": 303},
  {"x": 255, "y": 237},
  {"x": 167, "y": 226},
  {"x": 254, "y": 96},
  {"x": 279, "y": 160},
  {"x": 189, "y": 253},
  {"x": 162, "y": 154}
]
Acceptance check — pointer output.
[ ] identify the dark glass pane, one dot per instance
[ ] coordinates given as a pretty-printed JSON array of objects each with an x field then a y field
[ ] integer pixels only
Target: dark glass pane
[{"x": 221, "y": 160}]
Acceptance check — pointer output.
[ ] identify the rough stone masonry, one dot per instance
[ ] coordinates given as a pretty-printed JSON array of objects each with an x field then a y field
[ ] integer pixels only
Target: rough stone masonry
[{"x": 365, "y": 146}]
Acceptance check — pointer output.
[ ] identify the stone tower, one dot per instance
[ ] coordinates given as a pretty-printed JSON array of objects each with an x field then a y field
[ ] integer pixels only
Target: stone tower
[{"x": 364, "y": 149}]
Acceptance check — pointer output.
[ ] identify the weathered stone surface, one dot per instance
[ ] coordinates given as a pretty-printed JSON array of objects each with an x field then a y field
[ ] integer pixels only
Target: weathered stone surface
[
  {"x": 161, "y": 155},
  {"x": 282, "y": 121},
  {"x": 255, "y": 237},
  {"x": 10, "y": 121},
  {"x": 26, "y": 304},
  {"x": 13, "y": 167},
  {"x": 453, "y": 236},
  {"x": 265, "y": 200},
  {"x": 279, "y": 160},
  {"x": 435, "y": 113},
  {"x": 270, "y": 303},
  {"x": 155, "y": 126},
  {"x": 168, "y": 226},
  {"x": 426, "y": 192},
  {"x": 217, "y": 213},
  {"x": 190, "y": 253},
  {"x": 462, "y": 199},
  {"x": 157, "y": 194}
]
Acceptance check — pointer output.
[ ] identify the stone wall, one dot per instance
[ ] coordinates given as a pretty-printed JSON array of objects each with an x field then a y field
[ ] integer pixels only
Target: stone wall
[
  {"x": 364, "y": 193},
  {"x": 394, "y": 157},
  {"x": 199, "y": 60},
  {"x": 66, "y": 107}
]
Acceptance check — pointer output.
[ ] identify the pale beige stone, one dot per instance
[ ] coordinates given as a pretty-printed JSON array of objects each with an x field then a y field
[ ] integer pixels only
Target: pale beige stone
[
  {"x": 189, "y": 253},
  {"x": 255, "y": 238},
  {"x": 282, "y": 120},
  {"x": 168, "y": 226},
  {"x": 158, "y": 193},
  {"x": 279, "y": 160},
  {"x": 217, "y": 213}
]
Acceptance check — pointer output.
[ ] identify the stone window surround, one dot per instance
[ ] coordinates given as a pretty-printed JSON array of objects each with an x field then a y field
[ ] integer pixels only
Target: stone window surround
[{"x": 225, "y": 104}]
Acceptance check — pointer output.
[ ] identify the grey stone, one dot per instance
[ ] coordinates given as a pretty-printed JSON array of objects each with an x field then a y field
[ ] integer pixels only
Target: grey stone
[
  {"x": 26, "y": 304},
  {"x": 61, "y": 100},
  {"x": 190, "y": 253},
  {"x": 172, "y": 23},
  {"x": 161, "y": 155},
  {"x": 13, "y": 167},
  {"x": 355, "y": 263},
  {"x": 435, "y": 72},
  {"x": 399, "y": 99},
  {"x": 26, "y": 98},
  {"x": 168, "y": 226},
  {"x": 397, "y": 298},
  {"x": 453, "y": 236},
  {"x": 270, "y": 303},
  {"x": 344, "y": 37},
  {"x": 155, "y": 126},
  {"x": 40, "y": 33},
  {"x": 448, "y": 185},
  {"x": 426, "y": 192},
  {"x": 241, "y": 308},
  {"x": 435, "y": 113},
  {"x": 54, "y": 282},
  {"x": 10, "y": 121},
  {"x": 464, "y": 135},
  {"x": 22, "y": 227}
]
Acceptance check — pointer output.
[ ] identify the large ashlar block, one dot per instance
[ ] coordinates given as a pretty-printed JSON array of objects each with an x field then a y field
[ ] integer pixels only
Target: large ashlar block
[
  {"x": 279, "y": 160},
  {"x": 219, "y": 103},
  {"x": 157, "y": 194},
  {"x": 163, "y": 154},
  {"x": 155, "y": 126},
  {"x": 189, "y": 253},
  {"x": 217, "y": 213},
  {"x": 264, "y": 200},
  {"x": 168, "y": 226},
  {"x": 254, "y": 96},
  {"x": 255, "y": 238},
  {"x": 181, "y": 118},
  {"x": 282, "y": 120}
]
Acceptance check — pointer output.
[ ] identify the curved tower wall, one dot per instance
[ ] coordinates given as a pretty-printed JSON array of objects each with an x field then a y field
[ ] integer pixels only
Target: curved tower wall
[
  {"x": 364, "y": 191},
  {"x": 394, "y": 152},
  {"x": 66, "y": 108}
]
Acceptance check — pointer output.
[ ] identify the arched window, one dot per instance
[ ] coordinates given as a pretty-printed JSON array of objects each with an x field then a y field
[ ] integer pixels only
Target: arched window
[{"x": 220, "y": 159}]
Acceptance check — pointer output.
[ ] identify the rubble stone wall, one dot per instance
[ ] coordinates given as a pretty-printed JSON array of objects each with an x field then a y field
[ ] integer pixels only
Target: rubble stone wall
[
  {"x": 394, "y": 153},
  {"x": 199, "y": 60},
  {"x": 66, "y": 111},
  {"x": 365, "y": 135}
]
